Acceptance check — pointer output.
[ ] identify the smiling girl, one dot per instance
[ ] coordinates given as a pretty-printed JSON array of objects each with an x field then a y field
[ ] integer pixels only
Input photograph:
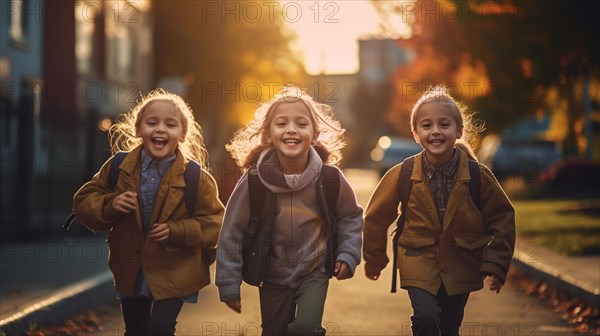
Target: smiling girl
[
  {"x": 156, "y": 243},
  {"x": 448, "y": 244},
  {"x": 286, "y": 147}
]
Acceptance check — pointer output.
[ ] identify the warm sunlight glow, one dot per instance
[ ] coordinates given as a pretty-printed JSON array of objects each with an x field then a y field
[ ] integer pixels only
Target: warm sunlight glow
[
  {"x": 104, "y": 124},
  {"x": 385, "y": 142},
  {"x": 328, "y": 32},
  {"x": 141, "y": 5}
]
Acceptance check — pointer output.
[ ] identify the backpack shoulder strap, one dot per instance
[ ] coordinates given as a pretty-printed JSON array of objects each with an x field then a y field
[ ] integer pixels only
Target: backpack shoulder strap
[
  {"x": 192, "y": 178},
  {"x": 113, "y": 174},
  {"x": 404, "y": 188},
  {"x": 329, "y": 189},
  {"x": 330, "y": 176},
  {"x": 256, "y": 191},
  {"x": 404, "y": 181},
  {"x": 475, "y": 185}
]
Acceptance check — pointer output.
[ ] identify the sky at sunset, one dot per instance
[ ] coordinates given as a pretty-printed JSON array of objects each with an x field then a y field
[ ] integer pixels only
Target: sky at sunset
[{"x": 328, "y": 32}]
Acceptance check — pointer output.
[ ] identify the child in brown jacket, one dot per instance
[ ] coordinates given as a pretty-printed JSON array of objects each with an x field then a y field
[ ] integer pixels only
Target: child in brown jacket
[
  {"x": 156, "y": 242},
  {"x": 448, "y": 245}
]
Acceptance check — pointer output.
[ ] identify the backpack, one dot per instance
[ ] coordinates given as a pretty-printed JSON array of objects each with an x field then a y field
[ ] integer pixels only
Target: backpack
[
  {"x": 257, "y": 238},
  {"x": 191, "y": 177},
  {"x": 404, "y": 192}
]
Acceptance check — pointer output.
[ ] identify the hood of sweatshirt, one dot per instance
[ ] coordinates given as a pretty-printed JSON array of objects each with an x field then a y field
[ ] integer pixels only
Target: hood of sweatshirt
[{"x": 271, "y": 174}]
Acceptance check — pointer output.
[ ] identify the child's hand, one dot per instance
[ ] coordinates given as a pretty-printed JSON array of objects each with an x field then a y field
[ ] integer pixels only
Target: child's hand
[
  {"x": 235, "y": 305},
  {"x": 372, "y": 276},
  {"x": 495, "y": 283},
  {"x": 160, "y": 232},
  {"x": 342, "y": 271},
  {"x": 125, "y": 202}
]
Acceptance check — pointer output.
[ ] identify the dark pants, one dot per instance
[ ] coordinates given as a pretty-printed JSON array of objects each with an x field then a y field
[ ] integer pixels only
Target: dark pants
[
  {"x": 143, "y": 316},
  {"x": 436, "y": 314},
  {"x": 294, "y": 311}
]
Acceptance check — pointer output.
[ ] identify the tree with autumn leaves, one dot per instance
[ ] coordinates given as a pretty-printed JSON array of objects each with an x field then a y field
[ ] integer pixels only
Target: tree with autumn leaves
[
  {"x": 231, "y": 55},
  {"x": 506, "y": 60}
]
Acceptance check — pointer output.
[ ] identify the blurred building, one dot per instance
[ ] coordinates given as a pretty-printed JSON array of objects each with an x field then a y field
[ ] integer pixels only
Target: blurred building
[
  {"x": 67, "y": 69},
  {"x": 379, "y": 59},
  {"x": 360, "y": 100},
  {"x": 335, "y": 91},
  {"x": 20, "y": 93}
]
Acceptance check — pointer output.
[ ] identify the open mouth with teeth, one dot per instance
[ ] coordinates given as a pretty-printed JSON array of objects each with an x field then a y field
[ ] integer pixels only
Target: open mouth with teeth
[
  {"x": 159, "y": 142},
  {"x": 436, "y": 142},
  {"x": 291, "y": 142}
]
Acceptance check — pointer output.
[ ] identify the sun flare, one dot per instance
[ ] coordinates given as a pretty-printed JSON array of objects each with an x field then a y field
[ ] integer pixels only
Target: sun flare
[{"x": 328, "y": 32}]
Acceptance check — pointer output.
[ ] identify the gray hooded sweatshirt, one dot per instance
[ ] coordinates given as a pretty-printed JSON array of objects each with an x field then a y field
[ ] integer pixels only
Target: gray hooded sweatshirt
[{"x": 298, "y": 235}]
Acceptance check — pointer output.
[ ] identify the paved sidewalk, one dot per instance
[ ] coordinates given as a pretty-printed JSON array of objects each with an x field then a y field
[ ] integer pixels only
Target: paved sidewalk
[
  {"x": 43, "y": 284},
  {"x": 46, "y": 283},
  {"x": 579, "y": 276}
]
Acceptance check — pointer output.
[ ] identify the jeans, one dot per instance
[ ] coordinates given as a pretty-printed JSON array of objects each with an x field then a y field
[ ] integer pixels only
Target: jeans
[
  {"x": 294, "y": 311},
  {"x": 436, "y": 314},
  {"x": 143, "y": 316}
]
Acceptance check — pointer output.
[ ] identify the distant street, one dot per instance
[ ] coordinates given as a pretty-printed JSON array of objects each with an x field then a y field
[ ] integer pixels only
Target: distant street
[{"x": 363, "y": 307}]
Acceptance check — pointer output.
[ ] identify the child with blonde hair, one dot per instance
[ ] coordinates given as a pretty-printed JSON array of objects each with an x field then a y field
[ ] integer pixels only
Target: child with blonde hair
[
  {"x": 450, "y": 240},
  {"x": 157, "y": 240},
  {"x": 297, "y": 243}
]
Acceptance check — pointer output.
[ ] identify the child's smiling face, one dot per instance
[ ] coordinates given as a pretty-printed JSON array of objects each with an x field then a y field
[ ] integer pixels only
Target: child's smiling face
[
  {"x": 292, "y": 131},
  {"x": 161, "y": 129},
  {"x": 436, "y": 130}
]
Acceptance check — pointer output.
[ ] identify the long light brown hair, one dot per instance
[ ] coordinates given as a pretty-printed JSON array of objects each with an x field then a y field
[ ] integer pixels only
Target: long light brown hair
[{"x": 248, "y": 142}]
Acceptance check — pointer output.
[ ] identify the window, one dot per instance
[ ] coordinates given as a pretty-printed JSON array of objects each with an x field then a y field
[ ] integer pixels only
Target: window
[
  {"x": 18, "y": 19},
  {"x": 120, "y": 52},
  {"x": 84, "y": 38}
]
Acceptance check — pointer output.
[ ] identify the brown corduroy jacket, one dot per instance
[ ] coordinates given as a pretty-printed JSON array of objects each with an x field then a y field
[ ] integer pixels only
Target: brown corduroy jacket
[
  {"x": 174, "y": 268},
  {"x": 469, "y": 243}
]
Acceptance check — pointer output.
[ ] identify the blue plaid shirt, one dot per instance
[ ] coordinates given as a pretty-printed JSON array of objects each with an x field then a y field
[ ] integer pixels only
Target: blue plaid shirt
[
  {"x": 440, "y": 182},
  {"x": 152, "y": 173}
]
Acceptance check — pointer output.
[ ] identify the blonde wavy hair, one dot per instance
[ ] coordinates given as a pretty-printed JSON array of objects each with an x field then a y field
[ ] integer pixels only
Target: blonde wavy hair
[
  {"x": 248, "y": 142},
  {"x": 440, "y": 94},
  {"x": 122, "y": 135}
]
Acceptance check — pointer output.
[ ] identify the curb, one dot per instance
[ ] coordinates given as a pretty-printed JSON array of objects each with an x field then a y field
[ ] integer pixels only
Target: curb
[
  {"x": 64, "y": 303},
  {"x": 562, "y": 282}
]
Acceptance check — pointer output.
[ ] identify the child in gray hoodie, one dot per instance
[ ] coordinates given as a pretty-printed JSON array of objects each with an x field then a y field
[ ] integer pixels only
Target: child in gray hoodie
[{"x": 286, "y": 146}]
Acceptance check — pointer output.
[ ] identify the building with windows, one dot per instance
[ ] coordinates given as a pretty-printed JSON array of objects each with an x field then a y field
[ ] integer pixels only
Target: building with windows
[
  {"x": 20, "y": 92},
  {"x": 361, "y": 100},
  {"x": 67, "y": 69}
]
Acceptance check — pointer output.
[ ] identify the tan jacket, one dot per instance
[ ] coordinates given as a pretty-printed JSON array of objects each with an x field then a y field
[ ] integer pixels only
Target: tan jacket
[
  {"x": 468, "y": 244},
  {"x": 172, "y": 269}
]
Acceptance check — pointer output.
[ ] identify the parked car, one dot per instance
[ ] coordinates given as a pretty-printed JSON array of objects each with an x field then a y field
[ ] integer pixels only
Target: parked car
[
  {"x": 572, "y": 175},
  {"x": 391, "y": 150},
  {"x": 518, "y": 157}
]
